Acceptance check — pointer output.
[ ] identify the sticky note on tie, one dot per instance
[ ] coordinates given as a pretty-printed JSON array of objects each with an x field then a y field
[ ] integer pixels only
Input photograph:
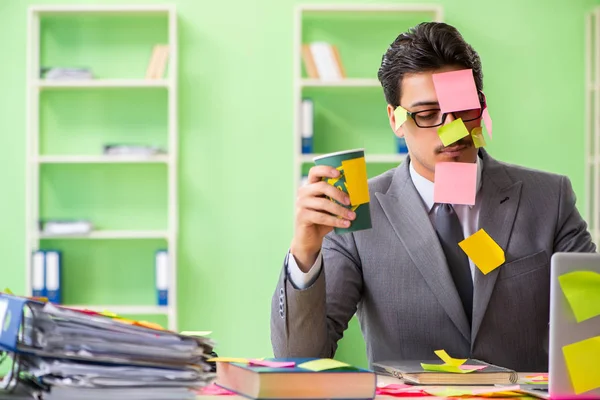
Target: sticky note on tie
[
  {"x": 355, "y": 171},
  {"x": 399, "y": 117},
  {"x": 455, "y": 183},
  {"x": 323, "y": 364},
  {"x": 452, "y": 132},
  {"x": 582, "y": 360},
  {"x": 456, "y": 90},
  {"x": 483, "y": 251},
  {"x": 477, "y": 136},
  {"x": 229, "y": 360},
  {"x": 487, "y": 121},
  {"x": 449, "y": 360},
  {"x": 445, "y": 368},
  {"x": 582, "y": 290}
]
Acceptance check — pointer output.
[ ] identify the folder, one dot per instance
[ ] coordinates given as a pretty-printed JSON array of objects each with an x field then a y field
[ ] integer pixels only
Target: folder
[
  {"x": 38, "y": 272},
  {"x": 53, "y": 276},
  {"x": 307, "y": 126},
  {"x": 162, "y": 277}
]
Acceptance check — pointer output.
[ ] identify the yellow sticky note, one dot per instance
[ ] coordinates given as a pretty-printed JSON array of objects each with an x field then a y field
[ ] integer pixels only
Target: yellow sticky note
[
  {"x": 583, "y": 360},
  {"x": 446, "y": 368},
  {"x": 229, "y": 360},
  {"x": 477, "y": 136},
  {"x": 8, "y": 291},
  {"x": 449, "y": 360},
  {"x": 195, "y": 333},
  {"x": 323, "y": 364},
  {"x": 445, "y": 392},
  {"x": 355, "y": 171},
  {"x": 483, "y": 251},
  {"x": 399, "y": 116},
  {"x": 108, "y": 314},
  {"x": 150, "y": 325},
  {"x": 452, "y": 132},
  {"x": 582, "y": 290}
]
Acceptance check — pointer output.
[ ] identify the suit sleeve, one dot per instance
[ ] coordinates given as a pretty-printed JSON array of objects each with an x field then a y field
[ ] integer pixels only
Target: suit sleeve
[
  {"x": 309, "y": 322},
  {"x": 572, "y": 234}
]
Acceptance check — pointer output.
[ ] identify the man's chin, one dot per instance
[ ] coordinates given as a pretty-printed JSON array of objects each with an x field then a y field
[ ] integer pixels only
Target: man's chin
[{"x": 457, "y": 154}]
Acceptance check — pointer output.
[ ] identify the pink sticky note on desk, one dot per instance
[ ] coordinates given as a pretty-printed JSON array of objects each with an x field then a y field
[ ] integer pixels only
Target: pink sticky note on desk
[
  {"x": 456, "y": 90},
  {"x": 472, "y": 367},
  {"x": 455, "y": 183},
  {"x": 272, "y": 364}
]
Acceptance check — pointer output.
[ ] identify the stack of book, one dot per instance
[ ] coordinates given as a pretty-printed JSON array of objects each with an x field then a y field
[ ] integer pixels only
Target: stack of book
[{"x": 61, "y": 353}]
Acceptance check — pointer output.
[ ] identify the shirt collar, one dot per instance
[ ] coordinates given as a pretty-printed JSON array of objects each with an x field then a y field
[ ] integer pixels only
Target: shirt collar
[{"x": 425, "y": 186}]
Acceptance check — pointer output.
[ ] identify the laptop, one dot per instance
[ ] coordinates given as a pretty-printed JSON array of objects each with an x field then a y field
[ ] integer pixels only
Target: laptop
[{"x": 564, "y": 329}]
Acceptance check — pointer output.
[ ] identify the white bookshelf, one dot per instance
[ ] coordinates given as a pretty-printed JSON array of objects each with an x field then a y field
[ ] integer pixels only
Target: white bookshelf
[
  {"x": 592, "y": 122},
  {"x": 34, "y": 160},
  {"x": 299, "y": 82}
]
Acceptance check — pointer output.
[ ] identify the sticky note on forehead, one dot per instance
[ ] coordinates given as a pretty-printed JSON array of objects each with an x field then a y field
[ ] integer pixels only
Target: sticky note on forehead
[
  {"x": 456, "y": 90},
  {"x": 455, "y": 183}
]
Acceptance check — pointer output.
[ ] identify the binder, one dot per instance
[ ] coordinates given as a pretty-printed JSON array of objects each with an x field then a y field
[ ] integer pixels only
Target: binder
[
  {"x": 53, "y": 276},
  {"x": 162, "y": 277},
  {"x": 38, "y": 274},
  {"x": 307, "y": 125}
]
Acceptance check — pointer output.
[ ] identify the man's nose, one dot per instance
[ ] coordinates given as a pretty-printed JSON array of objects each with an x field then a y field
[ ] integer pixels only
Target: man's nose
[{"x": 449, "y": 118}]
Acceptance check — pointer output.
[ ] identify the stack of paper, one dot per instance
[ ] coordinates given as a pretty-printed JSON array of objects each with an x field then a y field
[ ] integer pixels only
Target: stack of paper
[{"x": 64, "y": 353}]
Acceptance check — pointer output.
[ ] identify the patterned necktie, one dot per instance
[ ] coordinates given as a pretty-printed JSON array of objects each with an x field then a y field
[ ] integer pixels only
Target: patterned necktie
[{"x": 450, "y": 233}]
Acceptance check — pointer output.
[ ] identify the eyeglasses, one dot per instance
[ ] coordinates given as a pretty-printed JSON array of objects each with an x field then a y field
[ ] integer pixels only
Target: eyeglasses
[{"x": 435, "y": 117}]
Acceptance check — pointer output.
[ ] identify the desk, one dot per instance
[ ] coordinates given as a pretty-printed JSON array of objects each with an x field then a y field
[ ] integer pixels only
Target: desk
[{"x": 381, "y": 380}]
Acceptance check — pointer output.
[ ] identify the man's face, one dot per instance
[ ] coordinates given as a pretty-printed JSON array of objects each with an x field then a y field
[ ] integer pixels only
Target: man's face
[{"x": 424, "y": 144}]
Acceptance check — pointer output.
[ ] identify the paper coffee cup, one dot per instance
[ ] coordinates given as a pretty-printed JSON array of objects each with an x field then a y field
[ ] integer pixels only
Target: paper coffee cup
[{"x": 353, "y": 181}]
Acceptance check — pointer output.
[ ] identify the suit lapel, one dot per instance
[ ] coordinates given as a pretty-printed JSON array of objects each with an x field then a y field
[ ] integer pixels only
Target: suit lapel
[
  {"x": 404, "y": 208},
  {"x": 499, "y": 197}
]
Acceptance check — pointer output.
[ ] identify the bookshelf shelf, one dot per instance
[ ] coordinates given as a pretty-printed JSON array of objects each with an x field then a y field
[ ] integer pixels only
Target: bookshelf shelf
[
  {"x": 103, "y": 159},
  {"x": 343, "y": 42},
  {"x": 123, "y": 309},
  {"x": 370, "y": 158},
  {"x": 102, "y": 83},
  {"x": 348, "y": 82},
  {"x": 83, "y": 117},
  {"x": 109, "y": 234}
]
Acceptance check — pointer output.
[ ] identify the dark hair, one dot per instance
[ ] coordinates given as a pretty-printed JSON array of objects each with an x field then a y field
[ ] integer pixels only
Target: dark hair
[{"x": 425, "y": 47}]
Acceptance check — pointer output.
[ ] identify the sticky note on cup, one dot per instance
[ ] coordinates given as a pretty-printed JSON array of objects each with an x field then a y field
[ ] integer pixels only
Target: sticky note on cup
[
  {"x": 452, "y": 132},
  {"x": 582, "y": 290},
  {"x": 483, "y": 251},
  {"x": 455, "y": 183},
  {"x": 355, "y": 171},
  {"x": 456, "y": 90},
  {"x": 399, "y": 117},
  {"x": 582, "y": 360}
]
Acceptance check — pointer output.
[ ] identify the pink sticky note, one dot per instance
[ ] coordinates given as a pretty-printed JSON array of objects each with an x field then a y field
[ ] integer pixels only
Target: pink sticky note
[
  {"x": 272, "y": 364},
  {"x": 455, "y": 183},
  {"x": 215, "y": 390},
  {"x": 456, "y": 90},
  {"x": 487, "y": 120},
  {"x": 471, "y": 367}
]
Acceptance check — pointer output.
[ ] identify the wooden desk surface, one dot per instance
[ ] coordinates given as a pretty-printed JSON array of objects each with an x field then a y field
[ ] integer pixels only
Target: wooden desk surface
[{"x": 381, "y": 380}]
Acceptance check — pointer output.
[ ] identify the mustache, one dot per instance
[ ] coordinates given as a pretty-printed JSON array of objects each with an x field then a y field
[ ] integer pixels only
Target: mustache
[{"x": 467, "y": 142}]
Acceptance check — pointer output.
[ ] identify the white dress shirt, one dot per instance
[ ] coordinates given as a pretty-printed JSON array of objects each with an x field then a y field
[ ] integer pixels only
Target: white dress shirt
[{"x": 467, "y": 215}]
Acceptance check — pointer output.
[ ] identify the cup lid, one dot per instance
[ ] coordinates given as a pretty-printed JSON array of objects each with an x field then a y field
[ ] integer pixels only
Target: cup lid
[{"x": 337, "y": 153}]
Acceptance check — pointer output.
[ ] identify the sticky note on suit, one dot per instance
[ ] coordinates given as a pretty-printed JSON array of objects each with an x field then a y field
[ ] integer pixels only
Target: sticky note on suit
[
  {"x": 399, "y": 117},
  {"x": 483, "y": 251},
  {"x": 456, "y": 90},
  {"x": 583, "y": 363},
  {"x": 455, "y": 183},
  {"x": 452, "y": 132},
  {"x": 582, "y": 290},
  {"x": 355, "y": 171}
]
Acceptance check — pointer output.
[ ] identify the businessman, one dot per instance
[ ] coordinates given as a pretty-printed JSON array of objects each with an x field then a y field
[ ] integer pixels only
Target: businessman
[{"x": 413, "y": 291}]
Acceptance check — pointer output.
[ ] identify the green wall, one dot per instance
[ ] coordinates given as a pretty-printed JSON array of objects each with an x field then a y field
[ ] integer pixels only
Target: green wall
[{"x": 236, "y": 204}]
